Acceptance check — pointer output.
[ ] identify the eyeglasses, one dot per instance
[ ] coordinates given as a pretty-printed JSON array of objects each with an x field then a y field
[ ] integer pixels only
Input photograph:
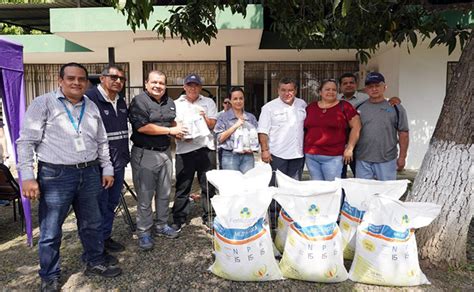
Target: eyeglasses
[
  {"x": 225, "y": 102},
  {"x": 116, "y": 77}
]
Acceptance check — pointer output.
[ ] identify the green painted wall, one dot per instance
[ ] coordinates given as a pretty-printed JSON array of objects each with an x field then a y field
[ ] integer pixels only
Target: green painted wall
[
  {"x": 46, "y": 43},
  {"x": 109, "y": 19}
]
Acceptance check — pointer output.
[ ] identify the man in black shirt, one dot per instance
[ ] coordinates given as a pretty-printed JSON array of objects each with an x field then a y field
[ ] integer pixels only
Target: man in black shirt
[{"x": 152, "y": 115}]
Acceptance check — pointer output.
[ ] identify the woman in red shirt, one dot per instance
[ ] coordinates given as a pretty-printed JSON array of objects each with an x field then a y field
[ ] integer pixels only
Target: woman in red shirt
[{"x": 327, "y": 122}]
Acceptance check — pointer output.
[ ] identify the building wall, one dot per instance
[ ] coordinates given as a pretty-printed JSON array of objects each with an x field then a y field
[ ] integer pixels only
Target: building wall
[{"x": 418, "y": 78}]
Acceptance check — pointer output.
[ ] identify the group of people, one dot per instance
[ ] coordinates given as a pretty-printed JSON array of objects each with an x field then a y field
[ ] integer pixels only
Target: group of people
[{"x": 80, "y": 138}]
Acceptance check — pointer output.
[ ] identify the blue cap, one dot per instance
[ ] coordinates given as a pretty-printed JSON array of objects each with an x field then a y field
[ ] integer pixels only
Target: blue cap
[
  {"x": 374, "y": 77},
  {"x": 192, "y": 78}
]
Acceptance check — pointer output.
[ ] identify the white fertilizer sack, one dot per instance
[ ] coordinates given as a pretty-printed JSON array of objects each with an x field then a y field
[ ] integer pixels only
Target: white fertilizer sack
[
  {"x": 358, "y": 192},
  {"x": 313, "y": 248},
  {"x": 242, "y": 242},
  {"x": 386, "y": 251},
  {"x": 296, "y": 188},
  {"x": 284, "y": 222},
  {"x": 233, "y": 182}
]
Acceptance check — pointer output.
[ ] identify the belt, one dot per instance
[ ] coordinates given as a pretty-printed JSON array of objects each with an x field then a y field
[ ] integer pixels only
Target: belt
[
  {"x": 77, "y": 165},
  {"x": 160, "y": 148}
]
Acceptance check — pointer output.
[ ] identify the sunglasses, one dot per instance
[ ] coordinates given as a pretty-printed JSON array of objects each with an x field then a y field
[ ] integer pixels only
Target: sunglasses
[
  {"x": 116, "y": 77},
  {"x": 226, "y": 102}
]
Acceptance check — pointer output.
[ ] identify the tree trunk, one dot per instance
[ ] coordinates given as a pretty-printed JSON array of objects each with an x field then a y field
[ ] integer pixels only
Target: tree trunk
[{"x": 446, "y": 174}]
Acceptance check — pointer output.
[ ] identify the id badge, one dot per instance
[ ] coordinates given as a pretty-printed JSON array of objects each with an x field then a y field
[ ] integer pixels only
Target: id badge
[{"x": 79, "y": 144}]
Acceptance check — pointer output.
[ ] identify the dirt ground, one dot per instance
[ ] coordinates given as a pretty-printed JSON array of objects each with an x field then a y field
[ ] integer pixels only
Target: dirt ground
[{"x": 179, "y": 264}]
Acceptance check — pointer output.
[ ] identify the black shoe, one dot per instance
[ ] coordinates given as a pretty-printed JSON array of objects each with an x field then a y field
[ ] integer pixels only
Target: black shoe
[
  {"x": 109, "y": 259},
  {"x": 178, "y": 226},
  {"x": 50, "y": 285},
  {"x": 113, "y": 246},
  {"x": 102, "y": 270}
]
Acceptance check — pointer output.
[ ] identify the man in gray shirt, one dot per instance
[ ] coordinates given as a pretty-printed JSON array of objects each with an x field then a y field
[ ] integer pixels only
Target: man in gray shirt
[
  {"x": 383, "y": 127},
  {"x": 65, "y": 131}
]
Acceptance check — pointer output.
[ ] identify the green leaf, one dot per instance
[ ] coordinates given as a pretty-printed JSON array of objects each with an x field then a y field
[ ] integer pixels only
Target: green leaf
[
  {"x": 335, "y": 4},
  {"x": 346, "y": 4}
]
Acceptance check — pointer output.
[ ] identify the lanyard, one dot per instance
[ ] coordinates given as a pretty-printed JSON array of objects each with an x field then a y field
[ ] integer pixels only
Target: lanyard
[{"x": 73, "y": 122}]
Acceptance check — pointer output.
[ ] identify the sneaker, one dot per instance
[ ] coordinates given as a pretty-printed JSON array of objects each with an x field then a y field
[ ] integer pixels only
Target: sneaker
[
  {"x": 110, "y": 260},
  {"x": 102, "y": 270},
  {"x": 167, "y": 232},
  {"x": 145, "y": 242},
  {"x": 50, "y": 285},
  {"x": 4, "y": 203},
  {"x": 178, "y": 226},
  {"x": 113, "y": 246}
]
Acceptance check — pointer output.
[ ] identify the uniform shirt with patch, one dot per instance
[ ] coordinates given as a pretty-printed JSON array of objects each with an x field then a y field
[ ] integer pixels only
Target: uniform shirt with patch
[
  {"x": 379, "y": 134},
  {"x": 283, "y": 123},
  {"x": 144, "y": 110}
]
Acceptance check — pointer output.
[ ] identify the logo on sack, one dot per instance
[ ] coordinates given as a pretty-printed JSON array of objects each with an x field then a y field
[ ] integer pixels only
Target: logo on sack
[
  {"x": 313, "y": 210},
  {"x": 405, "y": 219},
  {"x": 245, "y": 213}
]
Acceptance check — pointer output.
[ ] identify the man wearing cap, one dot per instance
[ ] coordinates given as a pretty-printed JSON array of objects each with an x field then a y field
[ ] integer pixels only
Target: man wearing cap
[
  {"x": 194, "y": 154},
  {"x": 113, "y": 110},
  {"x": 152, "y": 115},
  {"x": 349, "y": 93},
  {"x": 383, "y": 127}
]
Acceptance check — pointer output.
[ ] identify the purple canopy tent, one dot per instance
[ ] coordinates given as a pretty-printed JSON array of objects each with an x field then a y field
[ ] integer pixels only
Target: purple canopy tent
[{"x": 13, "y": 92}]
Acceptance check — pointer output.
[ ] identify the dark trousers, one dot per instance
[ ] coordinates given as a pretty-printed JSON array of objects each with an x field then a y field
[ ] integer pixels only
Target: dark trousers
[
  {"x": 198, "y": 161},
  {"x": 108, "y": 202},
  {"x": 292, "y": 168},
  {"x": 60, "y": 188}
]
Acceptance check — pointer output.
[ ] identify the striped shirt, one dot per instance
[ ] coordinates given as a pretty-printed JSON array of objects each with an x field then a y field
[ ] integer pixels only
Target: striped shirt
[{"x": 48, "y": 132}]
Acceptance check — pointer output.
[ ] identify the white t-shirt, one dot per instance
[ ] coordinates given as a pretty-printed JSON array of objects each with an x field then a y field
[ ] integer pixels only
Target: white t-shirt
[
  {"x": 185, "y": 108},
  {"x": 284, "y": 125}
]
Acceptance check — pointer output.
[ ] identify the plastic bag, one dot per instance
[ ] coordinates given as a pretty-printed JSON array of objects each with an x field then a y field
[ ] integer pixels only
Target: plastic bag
[
  {"x": 313, "y": 248},
  {"x": 386, "y": 251},
  {"x": 242, "y": 241},
  {"x": 357, "y": 193}
]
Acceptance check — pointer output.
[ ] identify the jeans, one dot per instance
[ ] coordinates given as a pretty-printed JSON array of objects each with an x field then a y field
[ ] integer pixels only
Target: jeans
[
  {"x": 236, "y": 161},
  {"x": 60, "y": 188},
  {"x": 108, "y": 202},
  {"x": 187, "y": 164},
  {"x": 152, "y": 171},
  {"x": 377, "y": 170},
  {"x": 324, "y": 167}
]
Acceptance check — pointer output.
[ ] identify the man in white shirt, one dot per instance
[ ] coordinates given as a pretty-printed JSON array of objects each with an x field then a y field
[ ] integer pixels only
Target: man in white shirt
[
  {"x": 195, "y": 153},
  {"x": 280, "y": 130},
  {"x": 281, "y": 134}
]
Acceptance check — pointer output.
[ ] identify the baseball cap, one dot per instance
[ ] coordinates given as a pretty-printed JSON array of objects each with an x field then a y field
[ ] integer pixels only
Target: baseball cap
[
  {"x": 193, "y": 78},
  {"x": 374, "y": 77}
]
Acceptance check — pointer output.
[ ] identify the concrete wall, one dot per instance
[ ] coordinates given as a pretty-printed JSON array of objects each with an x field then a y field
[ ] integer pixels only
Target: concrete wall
[{"x": 419, "y": 78}]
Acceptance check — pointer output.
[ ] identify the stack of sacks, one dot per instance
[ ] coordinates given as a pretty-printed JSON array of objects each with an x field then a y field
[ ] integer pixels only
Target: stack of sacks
[
  {"x": 313, "y": 248},
  {"x": 357, "y": 193},
  {"x": 299, "y": 187},
  {"x": 233, "y": 182},
  {"x": 242, "y": 241},
  {"x": 386, "y": 251}
]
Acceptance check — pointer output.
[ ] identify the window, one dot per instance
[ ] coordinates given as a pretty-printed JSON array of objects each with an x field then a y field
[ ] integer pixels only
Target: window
[{"x": 261, "y": 79}]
